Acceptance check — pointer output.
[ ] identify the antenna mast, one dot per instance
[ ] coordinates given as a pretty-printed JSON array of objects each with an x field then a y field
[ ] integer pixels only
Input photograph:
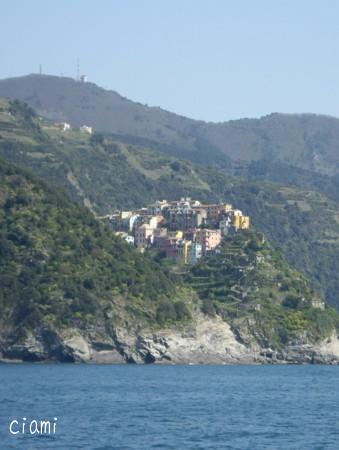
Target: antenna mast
[{"x": 78, "y": 69}]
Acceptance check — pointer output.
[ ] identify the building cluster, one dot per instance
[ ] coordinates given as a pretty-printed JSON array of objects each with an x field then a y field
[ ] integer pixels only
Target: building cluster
[{"x": 184, "y": 230}]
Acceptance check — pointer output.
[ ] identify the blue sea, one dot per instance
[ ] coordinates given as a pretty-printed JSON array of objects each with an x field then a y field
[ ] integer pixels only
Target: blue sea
[{"x": 171, "y": 407}]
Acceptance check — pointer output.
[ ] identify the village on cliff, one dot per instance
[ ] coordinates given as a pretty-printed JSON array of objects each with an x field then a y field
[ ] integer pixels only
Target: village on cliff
[{"x": 184, "y": 230}]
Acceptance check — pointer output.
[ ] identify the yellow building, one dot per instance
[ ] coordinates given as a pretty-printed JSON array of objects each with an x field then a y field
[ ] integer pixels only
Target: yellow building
[
  {"x": 241, "y": 222},
  {"x": 186, "y": 248}
]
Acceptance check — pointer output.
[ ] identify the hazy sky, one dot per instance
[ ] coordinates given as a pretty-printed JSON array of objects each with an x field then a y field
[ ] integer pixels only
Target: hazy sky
[{"x": 208, "y": 59}]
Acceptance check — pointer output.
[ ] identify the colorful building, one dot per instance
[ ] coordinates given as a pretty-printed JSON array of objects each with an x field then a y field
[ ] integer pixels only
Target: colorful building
[
  {"x": 178, "y": 227},
  {"x": 208, "y": 239},
  {"x": 241, "y": 222}
]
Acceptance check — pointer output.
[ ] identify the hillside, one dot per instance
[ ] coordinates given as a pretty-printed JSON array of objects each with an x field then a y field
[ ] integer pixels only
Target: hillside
[
  {"x": 304, "y": 224},
  {"x": 70, "y": 291},
  {"x": 105, "y": 173},
  {"x": 59, "y": 267},
  {"x": 251, "y": 286},
  {"x": 305, "y": 141},
  {"x": 64, "y": 99}
]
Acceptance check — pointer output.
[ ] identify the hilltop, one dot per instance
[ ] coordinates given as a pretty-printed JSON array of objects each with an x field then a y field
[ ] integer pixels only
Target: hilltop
[
  {"x": 304, "y": 141},
  {"x": 64, "y": 99}
]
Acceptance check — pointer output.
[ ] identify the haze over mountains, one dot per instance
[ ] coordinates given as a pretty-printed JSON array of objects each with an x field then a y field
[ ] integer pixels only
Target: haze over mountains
[{"x": 307, "y": 142}]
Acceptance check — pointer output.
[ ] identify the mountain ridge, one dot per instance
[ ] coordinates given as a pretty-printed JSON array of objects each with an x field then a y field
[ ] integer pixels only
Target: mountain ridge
[
  {"x": 307, "y": 141},
  {"x": 205, "y": 121}
]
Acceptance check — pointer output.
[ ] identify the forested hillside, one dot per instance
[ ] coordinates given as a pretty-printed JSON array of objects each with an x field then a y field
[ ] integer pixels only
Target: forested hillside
[
  {"x": 60, "y": 267},
  {"x": 105, "y": 173}
]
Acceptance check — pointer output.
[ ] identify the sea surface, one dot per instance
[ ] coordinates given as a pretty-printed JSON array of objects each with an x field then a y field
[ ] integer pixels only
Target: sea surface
[{"x": 172, "y": 407}]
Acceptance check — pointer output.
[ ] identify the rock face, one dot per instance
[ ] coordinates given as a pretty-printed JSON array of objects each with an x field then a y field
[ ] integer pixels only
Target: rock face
[
  {"x": 211, "y": 341},
  {"x": 208, "y": 341}
]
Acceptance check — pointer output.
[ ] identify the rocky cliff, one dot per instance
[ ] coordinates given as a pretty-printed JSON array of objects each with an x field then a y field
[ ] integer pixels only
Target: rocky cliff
[{"x": 206, "y": 341}]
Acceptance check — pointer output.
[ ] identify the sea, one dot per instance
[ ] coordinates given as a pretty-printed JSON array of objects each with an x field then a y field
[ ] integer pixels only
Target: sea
[{"x": 170, "y": 407}]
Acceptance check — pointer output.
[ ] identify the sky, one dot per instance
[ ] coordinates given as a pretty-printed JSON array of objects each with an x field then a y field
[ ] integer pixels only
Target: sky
[{"x": 214, "y": 60}]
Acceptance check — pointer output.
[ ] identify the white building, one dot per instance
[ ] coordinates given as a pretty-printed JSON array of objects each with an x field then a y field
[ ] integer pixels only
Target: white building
[
  {"x": 86, "y": 129},
  {"x": 65, "y": 126}
]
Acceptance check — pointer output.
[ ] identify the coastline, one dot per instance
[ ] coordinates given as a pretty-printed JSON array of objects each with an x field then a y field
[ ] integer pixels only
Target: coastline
[{"x": 208, "y": 341}]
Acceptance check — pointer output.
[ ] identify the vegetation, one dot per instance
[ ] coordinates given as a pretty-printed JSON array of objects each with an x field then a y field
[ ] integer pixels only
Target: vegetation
[
  {"x": 305, "y": 141},
  {"x": 59, "y": 266},
  {"x": 252, "y": 287},
  {"x": 106, "y": 173},
  {"x": 100, "y": 172},
  {"x": 303, "y": 224}
]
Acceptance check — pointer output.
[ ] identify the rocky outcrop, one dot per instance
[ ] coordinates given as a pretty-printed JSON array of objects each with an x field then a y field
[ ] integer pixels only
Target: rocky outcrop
[
  {"x": 207, "y": 341},
  {"x": 210, "y": 341}
]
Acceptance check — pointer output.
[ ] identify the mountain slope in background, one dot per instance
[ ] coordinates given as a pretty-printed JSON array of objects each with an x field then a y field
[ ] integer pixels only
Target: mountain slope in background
[
  {"x": 64, "y": 99},
  {"x": 103, "y": 173},
  {"x": 305, "y": 141}
]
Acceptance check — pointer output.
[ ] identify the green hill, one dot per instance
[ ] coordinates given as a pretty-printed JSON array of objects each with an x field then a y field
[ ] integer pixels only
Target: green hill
[
  {"x": 62, "y": 271},
  {"x": 61, "y": 267},
  {"x": 304, "y": 224},
  {"x": 299, "y": 150},
  {"x": 103, "y": 173},
  {"x": 106, "y": 173},
  {"x": 251, "y": 286}
]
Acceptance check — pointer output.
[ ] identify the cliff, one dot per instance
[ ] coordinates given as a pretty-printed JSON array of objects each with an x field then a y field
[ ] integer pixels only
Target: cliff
[{"x": 207, "y": 341}]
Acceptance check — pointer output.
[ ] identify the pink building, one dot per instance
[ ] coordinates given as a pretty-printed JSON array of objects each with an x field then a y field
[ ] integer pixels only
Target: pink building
[{"x": 208, "y": 239}]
